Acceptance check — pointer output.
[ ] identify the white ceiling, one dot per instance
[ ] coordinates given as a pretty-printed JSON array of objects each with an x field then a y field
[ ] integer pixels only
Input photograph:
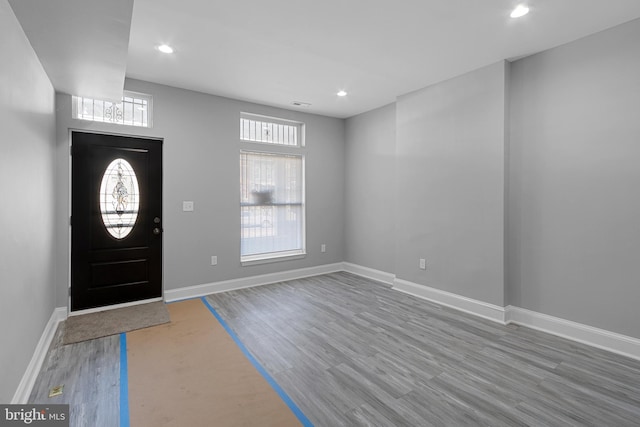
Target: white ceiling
[
  {"x": 279, "y": 51},
  {"x": 82, "y": 44}
]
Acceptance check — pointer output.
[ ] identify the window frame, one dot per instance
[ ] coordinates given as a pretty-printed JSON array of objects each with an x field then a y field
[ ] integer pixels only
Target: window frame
[{"x": 258, "y": 147}]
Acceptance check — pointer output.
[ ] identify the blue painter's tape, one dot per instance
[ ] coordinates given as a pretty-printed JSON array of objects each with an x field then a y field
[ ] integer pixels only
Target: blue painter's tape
[
  {"x": 124, "y": 382},
  {"x": 283, "y": 395}
]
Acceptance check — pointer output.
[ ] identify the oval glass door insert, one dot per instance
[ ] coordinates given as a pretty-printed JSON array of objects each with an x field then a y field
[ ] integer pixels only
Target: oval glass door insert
[{"x": 119, "y": 198}]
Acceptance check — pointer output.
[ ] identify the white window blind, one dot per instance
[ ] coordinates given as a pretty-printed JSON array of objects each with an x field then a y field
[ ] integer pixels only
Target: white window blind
[
  {"x": 135, "y": 109},
  {"x": 270, "y": 130},
  {"x": 272, "y": 205}
]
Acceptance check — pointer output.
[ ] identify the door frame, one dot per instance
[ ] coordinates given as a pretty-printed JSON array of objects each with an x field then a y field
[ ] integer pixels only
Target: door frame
[{"x": 68, "y": 213}]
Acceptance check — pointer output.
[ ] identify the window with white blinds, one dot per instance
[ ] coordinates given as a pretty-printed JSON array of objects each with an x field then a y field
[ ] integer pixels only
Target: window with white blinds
[{"x": 271, "y": 205}]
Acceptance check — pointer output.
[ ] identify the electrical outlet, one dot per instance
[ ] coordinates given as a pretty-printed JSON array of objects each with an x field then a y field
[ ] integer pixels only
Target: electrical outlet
[
  {"x": 423, "y": 264},
  {"x": 187, "y": 206},
  {"x": 323, "y": 248},
  {"x": 214, "y": 260}
]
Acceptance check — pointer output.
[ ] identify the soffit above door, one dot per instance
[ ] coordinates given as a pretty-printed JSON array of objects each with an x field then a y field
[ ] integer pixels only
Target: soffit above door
[{"x": 82, "y": 44}]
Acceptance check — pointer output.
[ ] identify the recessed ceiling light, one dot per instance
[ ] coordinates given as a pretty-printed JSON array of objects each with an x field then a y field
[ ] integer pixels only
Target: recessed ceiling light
[
  {"x": 342, "y": 93},
  {"x": 519, "y": 11},
  {"x": 165, "y": 48}
]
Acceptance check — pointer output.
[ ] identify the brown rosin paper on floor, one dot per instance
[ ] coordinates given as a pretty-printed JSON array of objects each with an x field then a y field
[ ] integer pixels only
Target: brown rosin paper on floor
[{"x": 190, "y": 372}]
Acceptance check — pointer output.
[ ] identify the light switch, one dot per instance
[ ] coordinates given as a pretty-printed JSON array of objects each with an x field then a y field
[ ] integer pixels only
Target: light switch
[{"x": 187, "y": 206}]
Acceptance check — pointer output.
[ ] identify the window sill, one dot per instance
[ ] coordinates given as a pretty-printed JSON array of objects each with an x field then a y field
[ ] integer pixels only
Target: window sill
[{"x": 267, "y": 259}]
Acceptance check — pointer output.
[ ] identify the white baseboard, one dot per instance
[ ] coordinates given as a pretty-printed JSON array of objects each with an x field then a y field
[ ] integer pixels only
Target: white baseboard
[
  {"x": 595, "y": 337},
  {"x": 172, "y": 295},
  {"x": 448, "y": 299},
  {"x": 369, "y": 273},
  {"x": 21, "y": 395}
]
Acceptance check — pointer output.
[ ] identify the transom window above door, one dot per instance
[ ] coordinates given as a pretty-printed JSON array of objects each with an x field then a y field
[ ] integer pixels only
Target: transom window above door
[{"x": 135, "y": 109}]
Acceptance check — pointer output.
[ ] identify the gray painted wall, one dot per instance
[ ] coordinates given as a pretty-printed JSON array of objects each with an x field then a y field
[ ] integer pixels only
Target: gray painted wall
[
  {"x": 574, "y": 224},
  {"x": 556, "y": 132},
  {"x": 201, "y": 163},
  {"x": 370, "y": 189},
  {"x": 450, "y": 145},
  {"x": 27, "y": 170}
]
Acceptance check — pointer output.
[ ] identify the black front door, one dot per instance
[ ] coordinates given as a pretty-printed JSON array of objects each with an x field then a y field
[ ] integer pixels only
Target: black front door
[{"x": 116, "y": 220}]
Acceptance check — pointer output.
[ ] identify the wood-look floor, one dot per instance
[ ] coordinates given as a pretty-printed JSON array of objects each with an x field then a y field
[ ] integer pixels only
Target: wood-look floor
[
  {"x": 90, "y": 373},
  {"x": 352, "y": 352}
]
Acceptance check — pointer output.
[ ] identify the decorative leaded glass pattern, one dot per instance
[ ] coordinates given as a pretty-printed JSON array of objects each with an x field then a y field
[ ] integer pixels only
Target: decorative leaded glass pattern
[
  {"x": 270, "y": 130},
  {"x": 133, "y": 110},
  {"x": 119, "y": 198}
]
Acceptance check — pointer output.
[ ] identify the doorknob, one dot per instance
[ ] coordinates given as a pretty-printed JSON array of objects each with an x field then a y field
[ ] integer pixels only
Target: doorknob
[
  {"x": 156, "y": 231},
  {"x": 156, "y": 220}
]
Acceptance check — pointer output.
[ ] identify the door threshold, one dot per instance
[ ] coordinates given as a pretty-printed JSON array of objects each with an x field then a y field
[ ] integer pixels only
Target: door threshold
[{"x": 113, "y": 307}]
